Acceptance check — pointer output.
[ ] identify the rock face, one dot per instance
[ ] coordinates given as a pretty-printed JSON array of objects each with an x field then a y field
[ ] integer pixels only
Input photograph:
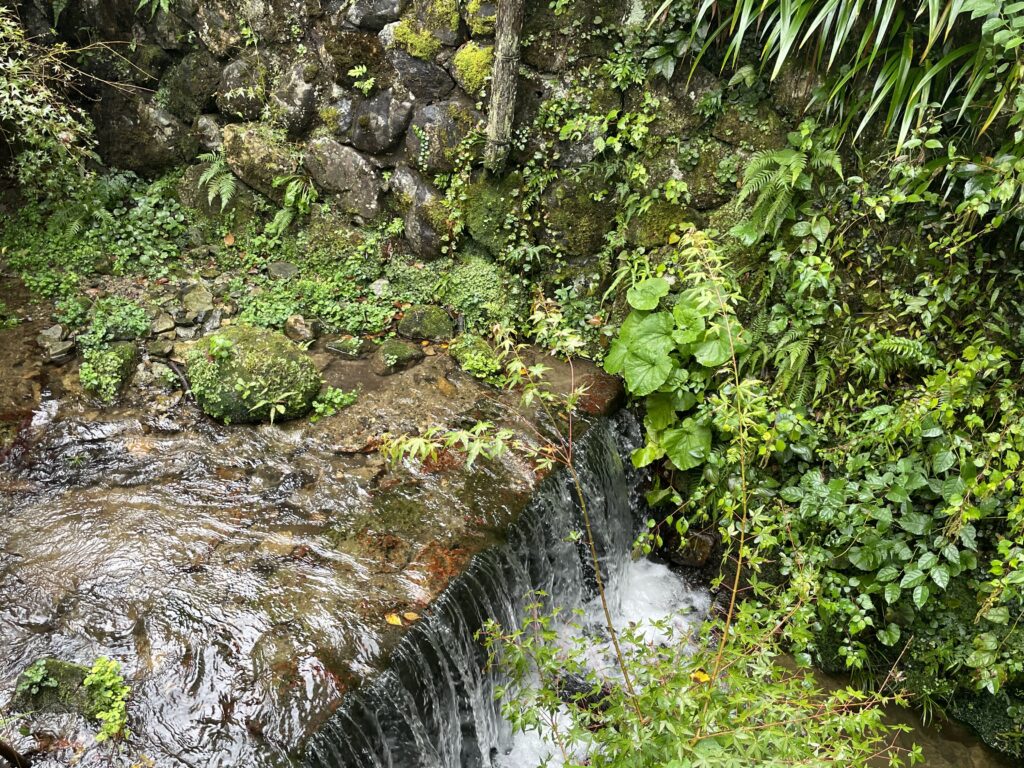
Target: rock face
[
  {"x": 244, "y": 375},
  {"x": 241, "y": 90},
  {"x": 141, "y": 136},
  {"x": 423, "y": 79},
  {"x": 190, "y": 85},
  {"x": 374, "y": 14},
  {"x": 426, "y": 220},
  {"x": 433, "y": 141},
  {"x": 257, "y": 157},
  {"x": 379, "y": 121},
  {"x": 342, "y": 171},
  {"x": 293, "y": 101}
]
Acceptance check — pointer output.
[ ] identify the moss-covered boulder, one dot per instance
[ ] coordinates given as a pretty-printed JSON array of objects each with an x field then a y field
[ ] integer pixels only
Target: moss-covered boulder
[
  {"x": 258, "y": 156},
  {"x": 244, "y": 375},
  {"x": 53, "y": 686},
  {"x": 395, "y": 355},
  {"x": 106, "y": 369},
  {"x": 471, "y": 66},
  {"x": 484, "y": 292},
  {"x": 476, "y": 357},
  {"x": 426, "y": 322}
]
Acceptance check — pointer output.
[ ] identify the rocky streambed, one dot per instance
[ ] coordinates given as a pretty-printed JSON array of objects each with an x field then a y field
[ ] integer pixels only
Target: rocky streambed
[{"x": 246, "y": 577}]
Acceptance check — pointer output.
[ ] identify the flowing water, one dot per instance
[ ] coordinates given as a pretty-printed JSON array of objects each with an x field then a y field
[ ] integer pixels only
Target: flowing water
[{"x": 435, "y": 707}]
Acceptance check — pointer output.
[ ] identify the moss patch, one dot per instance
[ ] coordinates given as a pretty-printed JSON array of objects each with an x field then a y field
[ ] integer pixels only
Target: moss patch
[
  {"x": 472, "y": 66},
  {"x": 487, "y": 208},
  {"x": 476, "y": 357},
  {"x": 244, "y": 374},
  {"x": 484, "y": 293},
  {"x": 416, "y": 40},
  {"x": 481, "y": 18}
]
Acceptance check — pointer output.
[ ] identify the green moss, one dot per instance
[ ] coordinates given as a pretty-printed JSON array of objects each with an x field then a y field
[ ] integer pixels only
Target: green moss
[
  {"x": 479, "y": 25},
  {"x": 53, "y": 686},
  {"x": 576, "y": 222},
  {"x": 484, "y": 293},
  {"x": 426, "y": 321},
  {"x": 416, "y": 40},
  {"x": 472, "y": 65},
  {"x": 488, "y": 207},
  {"x": 476, "y": 357},
  {"x": 436, "y": 213},
  {"x": 244, "y": 374},
  {"x": 653, "y": 227},
  {"x": 443, "y": 14}
]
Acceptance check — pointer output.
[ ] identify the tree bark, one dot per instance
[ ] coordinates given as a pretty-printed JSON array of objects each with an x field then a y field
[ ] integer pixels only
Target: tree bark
[
  {"x": 504, "y": 83},
  {"x": 9, "y": 754}
]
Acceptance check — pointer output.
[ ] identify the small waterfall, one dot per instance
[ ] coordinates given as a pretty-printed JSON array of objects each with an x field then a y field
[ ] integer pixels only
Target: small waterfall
[{"x": 435, "y": 706}]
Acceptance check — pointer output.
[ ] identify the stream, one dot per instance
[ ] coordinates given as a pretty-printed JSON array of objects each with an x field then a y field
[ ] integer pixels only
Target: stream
[{"x": 241, "y": 577}]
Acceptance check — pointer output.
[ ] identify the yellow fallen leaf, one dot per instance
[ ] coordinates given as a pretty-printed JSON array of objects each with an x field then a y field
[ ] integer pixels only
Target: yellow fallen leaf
[
  {"x": 393, "y": 618},
  {"x": 700, "y": 676},
  {"x": 411, "y": 616},
  {"x": 229, "y": 239}
]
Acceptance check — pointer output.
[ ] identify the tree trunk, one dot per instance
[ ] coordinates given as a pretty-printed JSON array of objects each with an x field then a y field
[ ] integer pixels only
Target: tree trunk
[
  {"x": 504, "y": 82},
  {"x": 9, "y": 754}
]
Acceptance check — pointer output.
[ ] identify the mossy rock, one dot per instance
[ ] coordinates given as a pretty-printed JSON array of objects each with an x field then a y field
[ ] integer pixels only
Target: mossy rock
[
  {"x": 707, "y": 189},
  {"x": 484, "y": 292},
  {"x": 989, "y": 716},
  {"x": 426, "y": 321},
  {"x": 576, "y": 223},
  {"x": 244, "y": 375},
  {"x": 105, "y": 370},
  {"x": 61, "y": 691},
  {"x": 487, "y": 208},
  {"x": 755, "y": 128},
  {"x": 654, "y": 227},
  {"x": 395, "y": 355},
  {"x": 475, "y": 356},
  {"x": 349, "y": 49},
  {"x": 471, "y": 66}
]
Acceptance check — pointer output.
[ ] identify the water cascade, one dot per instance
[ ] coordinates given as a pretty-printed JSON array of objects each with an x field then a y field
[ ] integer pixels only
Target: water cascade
[{"x": 435, "y": 707}]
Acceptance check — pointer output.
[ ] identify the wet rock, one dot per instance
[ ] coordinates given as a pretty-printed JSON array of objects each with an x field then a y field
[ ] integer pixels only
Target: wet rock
[
  {"x": 209, "y": 131},
  {"x": 184, "y": 333},
  {"x": 160, "y": 348},
  {"x": 241, "y": 89},
  {"x": 793, "y": 89},
  {"x": 707, "y": 184},
  {"x": 394, "y": 356},
  {"x": 141, "y": 136},
  {"x": 426, "y": 219},
  {"x": 53, "y": 686},
  {"x": 378, "y": 122},
  {"x": 427, "y": 322},
  {"x": 433, "y": 142},
  {"x": 190, "y": 85},
  {"x": 282, "y": 270},
  {"x": 257, "y": 157},
  {"x": 280, "y": 380},
  {"x": 380, "y": 286},
  {"x": 197, "y": 303},
  {"x": 212, "y": 323},
  {"x": 374, "y": 14},
  {"x": 162, "y": 323},
  {"x": 59, "y": 352},
  {"x": 343, "y": 171},
  {"x": 479, "y": 16},
  {"x": 424, "y": 79},
  {"x": 297, "y": 328},
  {"x": 293, "y": 101}
]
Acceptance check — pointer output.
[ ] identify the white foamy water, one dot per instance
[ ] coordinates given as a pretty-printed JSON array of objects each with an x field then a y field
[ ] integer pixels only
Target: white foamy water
[{"x": 642, "y": 594}]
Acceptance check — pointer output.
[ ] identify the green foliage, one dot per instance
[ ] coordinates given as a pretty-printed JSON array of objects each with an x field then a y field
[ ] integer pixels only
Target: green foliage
[
  {"x": 104, "y": 369},
  {"x": 776, "y": 177},
  {"x": 472, "y": 63},
  {"x": 901, "y": 63},
  {"x": 114, "y": 318},
  {"x": 299, "y": 196},
  {"x": 218, "y": 179},
  {"x": 733, "y": 706},
  {"x": 7, "y": 318},
  {"x": 108, "y": 696},
  {"x": 416, "y": 40},
  {"x": 50, "y": 137},
  {"x": 153, "y": 6},
  {"x": 481, "y": 439},
  {"x": 477, "y": 358},
  {"x": 35, "y": 678},
  {"x": 330, "y": 401},
  {"x": 114, "y": 222},
  {"x": 363, "y": 82}
]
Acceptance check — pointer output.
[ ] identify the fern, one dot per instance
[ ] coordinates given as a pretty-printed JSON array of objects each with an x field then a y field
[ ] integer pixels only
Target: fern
[{"x": 218, "y": 180}]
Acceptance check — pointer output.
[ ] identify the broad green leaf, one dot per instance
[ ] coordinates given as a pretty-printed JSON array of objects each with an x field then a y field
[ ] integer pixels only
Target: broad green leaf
[
  {"x": 912, "y": 578},
  {"x": 915, "y": 523},
  {"x": 648, "y": 454},
  {"x": 999, "y": 614},
  {"x": 661, "y": 412},
  {"x": 645, "y": 370},
  {"x": 646, "y": 294},
  {"x": 887, "y": 574},
  {"x": 714, "y": 351},
  {"x": 940, "y": 575},
  {"x": 890, "y": 635},
  {"x": 892, "y": 593},
  {"x": 687, "y": 445},
  {"x": 921, "y": 593}
]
